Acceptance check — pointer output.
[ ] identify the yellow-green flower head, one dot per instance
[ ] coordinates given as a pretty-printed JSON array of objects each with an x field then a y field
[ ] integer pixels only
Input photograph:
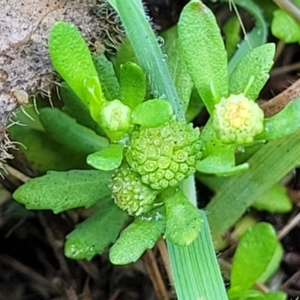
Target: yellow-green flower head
[
  {"x": 237, "y": 119},
  {"x": 164, "y": 155},
  {"x": 130, "y": 193}
]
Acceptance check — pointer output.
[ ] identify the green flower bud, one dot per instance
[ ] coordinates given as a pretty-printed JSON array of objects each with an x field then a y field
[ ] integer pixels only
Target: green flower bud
[
  {"x": 115, "y": 119},
  {"x": 164, "y": 155},
  {"x": 237, "y": 119},
  {"x": 130, "y": 193}
]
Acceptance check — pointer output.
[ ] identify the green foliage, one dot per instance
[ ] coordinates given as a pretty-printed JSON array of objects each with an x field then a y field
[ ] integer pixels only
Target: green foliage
[
  {"x": 106, "y": 159},
  {"x": 75, "y": 108},
  {"x": 60, "y": 191},
  {"x": 242, "y": 190},
  {"x": 139, "y": 236},
  {"x": 107, "y": 77},
  {"x": 257, "y": 295},
  {"x": 183, "y": 222},
  {"x": 232, "y": 31},
  {"x": 152, "y": 113},
  {"x": 40, "y": 151},
  {"x": 274, "y": 200},
  {"x": 94, "y": 234},
  {"x": 283, "y": 123},
  {"x": 253, "y": 39},
  {"x": 132, "y": 84},
  {"x": 198, "y": 30},
  {"x": 252, "y": 72},
  {"x": 195, "y": 267},
  {"x": 147, "y": 51},
  {"x": 221, "y": 161},
  {"x": 285, "y": 27},
  {"x": 177, "y": 67},
  {"x": 153, "y": 178},
  {"x": 258, "y": 252},
  {"x": 75, "y": 65},
  {"x": 43, "y": 154},
  {"x": 65, "y": 130}
]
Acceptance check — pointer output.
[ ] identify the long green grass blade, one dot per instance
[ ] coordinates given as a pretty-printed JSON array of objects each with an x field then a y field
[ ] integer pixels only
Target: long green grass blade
[{"x": 195, "y": 268}]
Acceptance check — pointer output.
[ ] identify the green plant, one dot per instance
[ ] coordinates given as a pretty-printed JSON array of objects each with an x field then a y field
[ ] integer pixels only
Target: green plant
[
  {"x": 260, "y": 257},
  {"x": 144, "y": 150},
  {"x": 285, "y": 27}
]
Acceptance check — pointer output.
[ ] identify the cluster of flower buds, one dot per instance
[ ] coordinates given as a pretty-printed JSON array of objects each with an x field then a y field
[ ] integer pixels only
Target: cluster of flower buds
[
  {"x": 157, "y": 158},
  {"x": 237, "y": 119}
]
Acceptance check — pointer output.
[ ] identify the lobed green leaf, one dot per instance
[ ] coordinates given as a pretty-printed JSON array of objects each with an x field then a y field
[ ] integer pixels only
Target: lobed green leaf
[{"x": 60, "y": 191}]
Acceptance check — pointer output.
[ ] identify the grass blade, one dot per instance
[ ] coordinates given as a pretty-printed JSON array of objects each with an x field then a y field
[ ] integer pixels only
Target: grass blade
[{"x": 195, "y": 268}]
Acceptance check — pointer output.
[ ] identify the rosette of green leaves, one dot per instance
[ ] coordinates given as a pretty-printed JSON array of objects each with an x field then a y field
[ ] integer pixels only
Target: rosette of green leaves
[{"x": 117, "y": 118}]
